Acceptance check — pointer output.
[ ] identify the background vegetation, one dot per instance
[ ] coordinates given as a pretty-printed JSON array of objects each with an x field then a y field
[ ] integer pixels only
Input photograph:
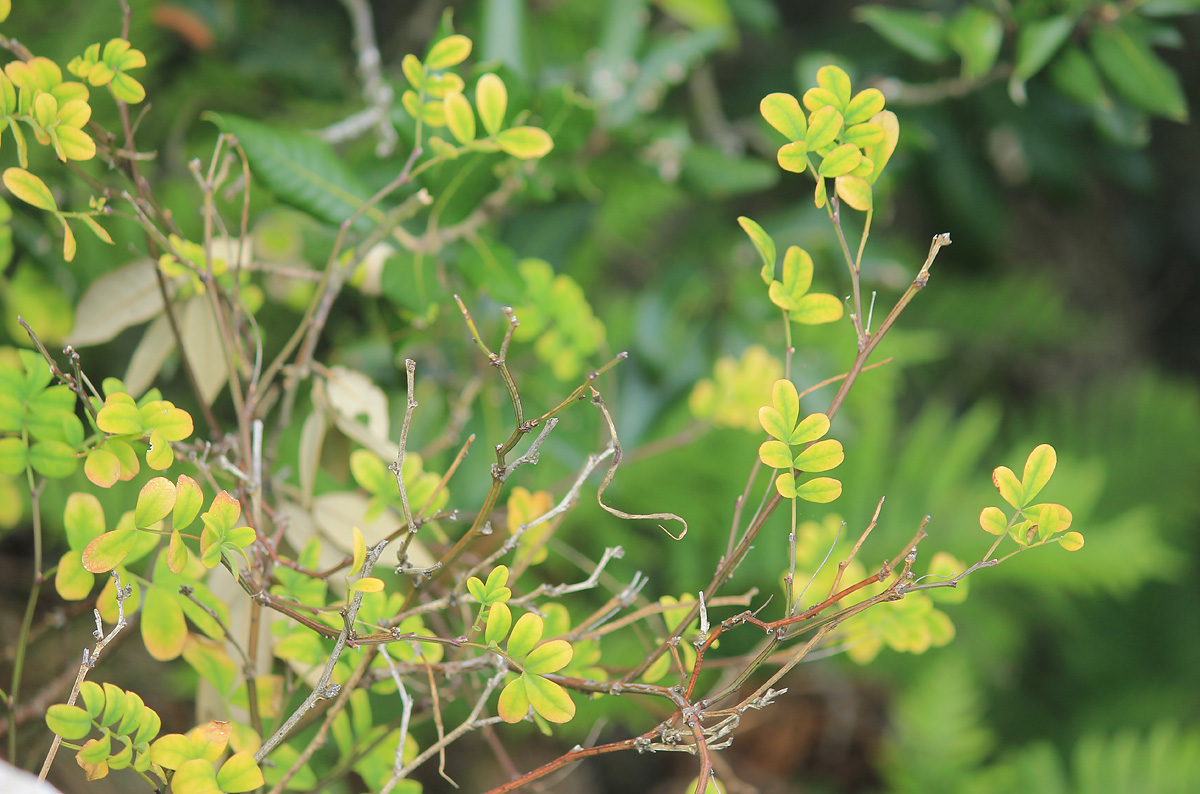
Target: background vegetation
[{"x": 1065, "y": 312}]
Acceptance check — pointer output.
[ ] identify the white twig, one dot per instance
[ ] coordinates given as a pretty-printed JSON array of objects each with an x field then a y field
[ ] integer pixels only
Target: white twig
[{"x": 376, "y": 91}]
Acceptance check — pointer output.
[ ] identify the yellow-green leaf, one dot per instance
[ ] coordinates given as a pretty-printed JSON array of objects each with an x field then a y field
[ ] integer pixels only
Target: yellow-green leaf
[
  {"x": 177, "y": 552},
  {"x": 367, "y": 585},
  {"x": 793, "y": 157},
  {"x": 164, "y": 630},
  {"x": 188, "y": 501},
  {"x": 855, "y": 191},
  {"x": 155, "y": 501},
  {"x": 549, "y": 657},
  {"x": 842, "y": 160},
  {"x": 835, "y": 80},
  {"x": 1039, "y": 466},
  {"x": 548, "y": 699},
  {"x": 1071, "y": 541},
  {"x": 863, "y": 106},
  {"x": 775, "y": 454},
  {"x": 1008, "y": 485},
  {"x": 820, "y": 490},
  {"x": 239, "y": 773},
  {"x": 359, "y": 546},
  {"x": 459, "y": 117},
  {"x": 786, "y": 485},
  {"x": 108, "y": 550},
  {"x": 817, "y": 308},
  {"x": 119, "y": 417},
  {"x": 527, "y": 143},
  {"x": 70, "y": 722},
  {"x": 783, "y": 112},
  {"x": 448, "y": 52},
  {"x": 823, "y": 128},
  {"x": 880, "y": 153},
  {"x": 821, "y": 456},
  {"x": 29, "y": 189},
  {"x": 102, "y": 467},
  {"x": 491, "y": 99},
  {"x": 813, "y": 427},
  {"x": 499, "y": 621},
  {"x": 525, "y": 635},
  {"x": 514, "y": 703},
  {"x": 993, "y": 520},
  {"x": 72, "y": 581},
  {"x": 763, "y": 244}
]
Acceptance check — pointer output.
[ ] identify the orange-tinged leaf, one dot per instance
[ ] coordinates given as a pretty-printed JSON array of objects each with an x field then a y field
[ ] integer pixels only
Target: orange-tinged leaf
[
  {"x": 177, "y": 552},
  {"x": 188, "y": 501},
  {"x": 514, "y": 703},
  {"x": 129, "y": 460},
  {"x": 102, "y": 467},
  {"x": 224, "y": 511},
  {"x": 164, "y": 630},
  {"x": 548, "y": 699},
  {"x": 993, "y": 520},
  {"x": 549, "y": 657},
  {"x": 108, "y": 550},
  {"x": 1039, "y": 466},
  {"x": 855, "y": 191},
  {"x": 1008, "y": 485},
  {"x": 83, "y": 519},
  {"x": 154, "y": 502},
  {"x": 211, "y": 738}
]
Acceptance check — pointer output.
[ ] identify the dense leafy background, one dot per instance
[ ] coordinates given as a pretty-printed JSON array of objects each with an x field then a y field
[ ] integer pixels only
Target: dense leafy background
[{"x": 1065, "y": 312}]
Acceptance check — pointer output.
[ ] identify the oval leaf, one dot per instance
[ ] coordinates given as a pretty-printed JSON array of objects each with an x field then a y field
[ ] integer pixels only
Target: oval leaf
[
  {"x": 548, "y": 699},
  {"x": 1008, "y": 485},
  {"x": 821, "y": 456},
  {"x": 239, "y": 773},
  {"x": 108, "y": 550},
  {"x": 491, "y": 99},
  {"x": 793, "y": 157},
  {"x": 855, "y": 191},
  {"x": 782, "y": 111},
  {"x": 813, "y": 427},
  {"x": 70, "y": 722},
  {"x": 459, "y": 117},
  {"x": 29, "y": 189},
  {"x": 525, "y": 635},
  {"x": 188, "y": 501},
  {"x": 820, "y": 490},
  {"x": 155, "y": 501},
  {"x": 72, "y": 581},
  {"x": 549, "y": 657},
  {"x": 823, "y": 127},
  {"x": 514, "y": 703},
  {"x": 1072, "y": 541},
  {"x": 164, "y": 630},
  {"x": 842, "y": 160},
  {"x": 775, "y": 454},
  {"x": 763, "y": 244},
  {"x": 527, "y": 143},
  {"x": 993, "y": 521},
  {"x": 1038, "y": 468},
  {"x": 448, "y": 52}
]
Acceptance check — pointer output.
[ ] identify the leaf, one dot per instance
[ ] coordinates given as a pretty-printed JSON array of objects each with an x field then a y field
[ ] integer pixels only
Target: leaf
[
  {"x": 823, "y": 128},
  {"x": 1071, "y": 541},
  {"x": 820, "y": 490},
  {"x": 155, "y": 501},
  {"x": 164, "y": 630},
  {"x": 194, "y": 777},
  {"x": 1052, "y": 519},
  {"x": 855, "y": 191},
  {"x": 793, "y": 157},
  {"x": 224, "y": 511},
  {"x": 367, "y": 585},
  {"x": 763, "y": 244},
  {"x": 71, "y": 580},
  {"x": 92, "y": 695},
  {"x": 525, "y": 635},
  {"x": 976, "y": 34},
  {"x": 993, "y": 521},
  {"x": 786, "y": 485},
  {"x": 880, "y": 153},
  {"x": 1138, "y": 75},
  {"x": 70, "y": 722},
  {"x": 300, "y": 169},
  {"x": 119, "y": 417},
  {"x": 526, "y": 143},
  {"x": 915, "y": 32},
  {"x": 102, "y": 467},
  {"x": 14, "y": 455},
  {"x": 1039, "y": 466},
  {"x": 172, "y": 750},
  {"x": 821, "y": 456},
  {"x": 842, "y": 160},
  {"x": 835, "y": 80},
  {"x": 514, "y": 703},
  {"x": 53, "y": 459},
  {"x": 1009, "y": 487},
  {"x": 775, "y": 454},
  {"x": 114, "y": 705},
  {"x": 240, "y": 773},
  {"x": 177, "y": 552},
  {"x": 414, "y": 72},
  {"x": 448, "y": 52},
  {"x": 863, "y": 106},
  {"x": 188, "y": 501},
  {"x": 1037, "y": 42},
  {"x": 459, "y": 117},
  {"x": 548, "y": 699},
  {"x": 1075, "y": 76},
  {"x": 108, "y": 550},
  {"x": 125, "y": 297},
  {"x": 175, "y": 423},
  {"x": 491, "y": 100},
  {"x": 813, "y": 427},
  {"x": 783, "y": 112},
  {"x": 786, "y": 401},
  {"x": 499, "y": 621},
  {"x": 29, "y": 189},
  {"x": 549, "y": 657},
  {"x": 797, "y": 278}
]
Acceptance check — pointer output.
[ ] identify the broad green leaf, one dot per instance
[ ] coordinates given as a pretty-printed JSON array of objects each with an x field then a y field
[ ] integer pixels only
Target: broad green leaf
[
  {"x": 526, "y": 143},
  {"x": 91, "y": 695},
  {"x": 993, "y": 520},
  {"x": 525, "y": 635},
  {"x": 1138, "y": 75},
  {"x": 823, "y": 128},
  {"x": 240, "y": 773},
  {"x": 177, "y": 552},
  {"x": 817, "y": 308},
  {"x": 549, "y": 657},
  {"x": 155, "y": 501},
  {"x": 164, "y": 629},
  {"x": 863, "y": 135},
  {"x": 13, "y": 456},
  {"x": 476, "y": 589},
  {"x": 813, "y": 427},
  {"x": 119, "y": 417},
  {"x": 188, "y": 501},
  {"x": 1075, "y": 76},
  {"x": 786, "y": 485},
  {"x": 1008, "y": 485},
  {"x": 70, "y": 722},
  {"x": 976, "y": 34},
  {"x": 370, "y": 472},
  {"x": 1039, "y": 466},
  {"x": 549, "y": 700},
  {"x": 223, "y": 512},
  {"x": 71, "y": 580},
  {"x": 842, "y": 160},
  {"x": 1071, "y": 541},
  {"x": 821, "y": 456},
  {"x": 53, "y": 459},
  {"x": 414, "y": 72},
  {"x": 775, "y": 454},
  {"x": 102, "y": 467},
  {"x": 835, "y": 80},
  {"x": 796, "y": 279},
  {"x": 773, "y": 422},
  {"x": 459, "y": 117},
  {"x": 783, "y": 112},
  {"x": 29, "y": 189},
  {"x": 491, "y": 99},
  {"x": 763, "y": 244},
  {"x": 440, "y": 85},
  {"x": 793, "y": 157},
  {"x": 210, "y": 659},
  {"x": 820, "y": 490},
  {"x": 301, "y": 170},
  {"x": 855, "y": 191},
  {"x": 367, "y": 585},
  {"x": 1051, "y": 518},
  {"x": 241, "y": 536},
  {"x": 159, "y": 456},
  {"x": 816, "y": 98},
  {"x": 514, "y": 703},
  {"x": 108, "y": 550},
  {"x": 172, "y": 750},
  {"x": 448, "y": 52},
  {"x": 175, "y": 423},
  {"x": 880, "y": 153},
  {"x": 786, "y": 401},
  {"x": 194, "y": 777},
  {"x": 499, "y": 621},
  {"x": 114, "y": 705},
  {"x": 95, "y": 751},
  {"x": 1037, "y": 42},
  {"x": 497, "y": 579},
  {"x": 920, "y": 34},
  {"x": 124, "y": 452},
  {"x": 863, "y": 106}
]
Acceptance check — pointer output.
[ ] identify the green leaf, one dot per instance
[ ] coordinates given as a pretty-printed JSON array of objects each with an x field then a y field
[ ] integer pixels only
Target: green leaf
[
  {"x": 164, "y": 630},
  {"x": 29, "y": 189},
  {"x": 1071, "y": 541},
  {"x": 1075, "y": 76},
  {"x": 855, "y": 191},
  {"x": 842, "y": 160},
  {"x": 108, "y": 550},
  {"x": 786, "y": 401},
  {"x": 370, "y": 472},
  {"x": 491, "y": 99},
  {"x": 172, "y": 750},
  {"x": 120, "y": 417},
  {"x": 1037, "y": 42},
  {"x": 188, "y": 501},
  {"x": 993, "y": 520},
  {"x": 775, "y": 454},
  {"x": 548, "y": 699},
  {"x": 880, "y": 153},
  {"x": 301, "y": 170},
  {"x": 514, "y": 703},
  {"x": 95, "y": 751},
  {"x": 813, "y": 427},
  {"x": 160, "y": 455},
  {"x": 240, "y": 773},
  {"x": 526, "y": 143},
  {"x": 155, "y": 501},
  {"x": 499, "y": 621},
  {"x": 863, "y": 106},
  {"x": 177, "y": 552},
  {"x": 863, "y": 135},
  {"x": 820, "y": 490},
  {"x": 13, "y": 456},
  {"x": 1039, "y": 467},
  {"x": 786, "y": 485},
  {"x": 817, "y": 308},
  {"x": 114, "y": 705},
  {"x": 367, "y": 585},
  {"x": 1138, "y": 75},
  {"x": 1051, "y": 518},
  {"x": 793, "y": 157},
  {"x": 414, "y": 72},
  {"x": 70, "y": 722},
  {"x": 102, "y": 467},
  {"x": 783, "y": 112},
  {"x": 797, "y": 278},
  {"x": 763, "y": 244},
  {"x": 549, "y": 657},
  {"x": 194, "y": 777},
  {"x": 175, "y": 423},
  {"x": 71, "y": 580},
  {"x": 92, "y": 695},
  {"x": 823, "y": 128},
  {"x": 1008, "y": 485},
  {"x": 459, "y": 117},
  {"x": 821, "y": 456},
  {"x": 525, "y": 635},
  {"x": 835, "y": 80},
  {"x": 448, "y": 52},
  {"x": 976, "y": 33},
  {"x": 53, "y": 459},
  {"x": 915, "y": 32},
  {"x": 223, "y": 513}
]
